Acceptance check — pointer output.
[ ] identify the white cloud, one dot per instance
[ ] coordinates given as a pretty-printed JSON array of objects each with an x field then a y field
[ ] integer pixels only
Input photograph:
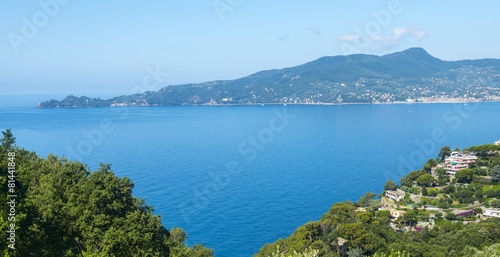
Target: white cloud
[
  {"x": 316, "y": 30},
  {"x": 284, "y": 37},
  {"x": 348, "y": 38},
  {"x": 399, "y": 35}
]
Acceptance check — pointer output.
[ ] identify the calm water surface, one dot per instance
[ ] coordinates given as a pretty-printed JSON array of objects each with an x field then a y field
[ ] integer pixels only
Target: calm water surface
[{"x": 241, "y": 176}]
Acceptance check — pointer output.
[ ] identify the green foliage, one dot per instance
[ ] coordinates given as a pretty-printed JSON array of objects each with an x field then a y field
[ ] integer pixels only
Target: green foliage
[
  {"x": 449, "y": 189},
  {"x": 433, "y": 192},
  {"x": 465, "y": 175},
  {"x": 390, "y": 185},
  {"x": 478, "y": 210},
  {"x": 450, "y": 216},
  {"x": 495, "y": 173},
  {"x": 309, "y": 252},
  {"x": 424, "y": 191},
  {"x": 383, "y": 213},
  {"x": 444, "y": 152},
  {"x": 415, "y": 190},
  {"x": 430, "y": 163},
  {"x": 392, "y": 253},
  {"x": 363, "y": 201},
  {"x": 495, "y": 203},
  {"x": 484, "y": 150},
  {"x": 490, "y": 251},
  {"x": 8, "y": 140},
  {"x": 64, "y": 209},
  {"x": 355, "y": 252}
]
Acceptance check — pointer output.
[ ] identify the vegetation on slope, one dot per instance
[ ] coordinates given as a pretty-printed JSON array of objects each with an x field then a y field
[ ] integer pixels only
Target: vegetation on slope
[
  {"x": 64, "y": 209},
  {"x": 373, "y": 232}
]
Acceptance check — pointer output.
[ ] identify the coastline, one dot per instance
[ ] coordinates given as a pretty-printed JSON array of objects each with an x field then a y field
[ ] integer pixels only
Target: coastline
[{"x": 285, "y": 104}]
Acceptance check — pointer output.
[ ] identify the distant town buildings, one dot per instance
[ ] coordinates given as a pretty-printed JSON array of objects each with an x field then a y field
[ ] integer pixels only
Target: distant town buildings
[{"x": 458, "y": 161}]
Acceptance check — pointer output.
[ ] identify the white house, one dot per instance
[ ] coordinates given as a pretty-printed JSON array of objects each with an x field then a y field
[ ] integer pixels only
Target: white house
[
  {"x": 492, "y": 213},
  {"x": 397, "y": 213},
  {"x": 396, "y": 196}
]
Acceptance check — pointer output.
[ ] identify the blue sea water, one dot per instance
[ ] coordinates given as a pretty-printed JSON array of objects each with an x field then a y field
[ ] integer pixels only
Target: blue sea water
[{"x": 237, "y": 177}]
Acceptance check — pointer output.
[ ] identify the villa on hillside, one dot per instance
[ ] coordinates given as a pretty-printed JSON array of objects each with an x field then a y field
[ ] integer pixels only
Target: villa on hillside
[
  {"x": 458, "y": 161},
  {"x": 497, "y": 142},
  {"x": 397, "y": 213},
  {"x": 342, "y": 243},
  {"x": 396, "y": 196},
  {"x": 492, "y": 213}
]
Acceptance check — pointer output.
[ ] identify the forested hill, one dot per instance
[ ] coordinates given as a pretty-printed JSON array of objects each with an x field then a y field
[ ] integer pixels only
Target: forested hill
[{"x": 410, "y": 74}]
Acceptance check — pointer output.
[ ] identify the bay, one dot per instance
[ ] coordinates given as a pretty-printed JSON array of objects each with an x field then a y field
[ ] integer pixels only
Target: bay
[{"x": 237, "y": 177}]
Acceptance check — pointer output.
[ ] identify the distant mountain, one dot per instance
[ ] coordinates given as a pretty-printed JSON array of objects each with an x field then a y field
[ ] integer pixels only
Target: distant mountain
[{"x": 411, "y": 74}]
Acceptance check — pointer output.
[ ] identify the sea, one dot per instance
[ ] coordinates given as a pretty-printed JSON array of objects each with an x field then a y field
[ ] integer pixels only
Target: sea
[{"x": 238, "y": 177}]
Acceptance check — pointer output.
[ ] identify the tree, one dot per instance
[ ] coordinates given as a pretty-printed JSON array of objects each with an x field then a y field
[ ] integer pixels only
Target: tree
[
  {"x": 450, "y": 216},
  {"x": 65, "y": 209},
  {"x": 465, "y": 175},
  {"x": 433, "y": 193},
  {"x": 363, "y": 201},
  {"x": 441, "y": 171},
  {"x": 495, "y": 203},
  {"x": 390, "y": 185},
  {"x": 355, "y": 252},
  {"x": 365, "y": 217},
  {"x": 444, "y": 152},
  {"x": 354, "y": 232},
  {"x": 479, "y": 193},
  {"x": 424, "y": 191},
  {"x": 409, "y": 217},
  {"x": 425, "y": 180},
  {"x": 430, "y": 163},
  {"x": 495, "y": 173},
  {"x": 449, "y": 189},
  {"x": 8, "y": 139}
]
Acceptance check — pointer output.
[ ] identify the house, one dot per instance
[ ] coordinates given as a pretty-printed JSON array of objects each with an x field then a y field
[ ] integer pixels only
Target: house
[
  {"x": 397, "y": 213},
  {"x": 361, "y": 209},
  {"x": 492, "y": 213},
  {"x": 342, "y": 243},
  {"x": 458, "y": 161},
  {"x": 396, "y": 196},
  {"x": 497, "y": 142}
]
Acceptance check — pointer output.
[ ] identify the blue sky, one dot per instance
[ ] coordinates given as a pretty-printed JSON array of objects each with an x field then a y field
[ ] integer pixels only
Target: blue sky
[{"x": 111, "y": 47}]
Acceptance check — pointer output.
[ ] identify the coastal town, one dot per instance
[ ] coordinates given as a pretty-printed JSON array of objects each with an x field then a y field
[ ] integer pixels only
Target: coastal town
[{"x": 463, "y": 187}]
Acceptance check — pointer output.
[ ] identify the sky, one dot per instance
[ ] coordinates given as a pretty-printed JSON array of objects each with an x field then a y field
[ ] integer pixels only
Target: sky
[{"x": 121, "y": 47}]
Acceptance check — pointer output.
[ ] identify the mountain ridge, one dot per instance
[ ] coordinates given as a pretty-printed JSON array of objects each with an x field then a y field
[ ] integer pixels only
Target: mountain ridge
[{"x": 359, "y": 78}]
